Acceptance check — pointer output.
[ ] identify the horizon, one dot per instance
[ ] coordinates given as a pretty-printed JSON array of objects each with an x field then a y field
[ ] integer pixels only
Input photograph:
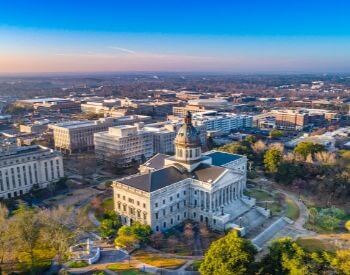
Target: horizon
[{"x": 245, "y": 37}]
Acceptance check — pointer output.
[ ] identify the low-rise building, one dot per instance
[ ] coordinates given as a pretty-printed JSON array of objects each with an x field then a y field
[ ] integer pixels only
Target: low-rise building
[{"x": 28, "y": 167}]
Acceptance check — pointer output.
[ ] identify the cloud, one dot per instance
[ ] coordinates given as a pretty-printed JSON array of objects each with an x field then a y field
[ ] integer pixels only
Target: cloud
[{"x": 122, "y": 49}]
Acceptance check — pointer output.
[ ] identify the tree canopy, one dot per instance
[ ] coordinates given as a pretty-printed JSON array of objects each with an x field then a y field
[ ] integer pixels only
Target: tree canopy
[
  {"x": 307, "y": 148},
  {"x": 229, "y": 255}
]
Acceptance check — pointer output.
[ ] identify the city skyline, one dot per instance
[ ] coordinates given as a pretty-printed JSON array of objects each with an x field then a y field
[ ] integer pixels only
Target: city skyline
[{"x": 114, "y": 36}]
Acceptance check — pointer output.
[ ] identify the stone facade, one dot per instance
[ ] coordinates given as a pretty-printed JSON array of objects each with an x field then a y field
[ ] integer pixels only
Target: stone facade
[
  {"x": 24, "y": 168},
  {"x": 206, "y": 187}
]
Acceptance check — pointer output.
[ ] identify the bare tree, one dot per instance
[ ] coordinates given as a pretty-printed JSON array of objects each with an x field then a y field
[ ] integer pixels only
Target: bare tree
[{"x": 259, "y": 147}]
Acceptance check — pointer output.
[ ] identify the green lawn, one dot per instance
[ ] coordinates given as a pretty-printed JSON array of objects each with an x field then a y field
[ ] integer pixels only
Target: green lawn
[
  {"x": 125, "y": 269},
  {"x": 292, "y": 209},
  {"x": 77, "y": 264},
  {"x": 157, "y": 260},
  {"x": 195, "y": 265},
  {"x": 313, "y": 245},
  {"x": 259, "y": 195},
  {"x": 107, "y": 204}
]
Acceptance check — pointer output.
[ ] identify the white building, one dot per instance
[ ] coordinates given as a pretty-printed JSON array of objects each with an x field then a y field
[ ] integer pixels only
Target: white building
[
  {"x": 123, "y": 145},
  {"x": 78, "y": 136},
  {"x": 190, "y": 185},
  {"x": 223, "y": 122},
  {"x": 24, "y": 168}
]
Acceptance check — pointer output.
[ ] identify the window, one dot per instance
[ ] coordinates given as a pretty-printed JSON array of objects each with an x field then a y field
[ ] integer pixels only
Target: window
[
  {"x": 178, "y": 217},
  {"x": 184, "y": 192},
  {"x": 178, "y": 195},
  {"x": 184, "y": 214},
  {"x": 156, "y": 204},
  {"x": 138, "y": 203},
  {"x": 144, "y": 216},
  {"x": 163, "y": 201},
  {"x": 178, "y": 205},
  {"x": 164, "y": 224},
  {"x": 171, "y": 221},
  {"x": 131, "y": 200},
  {"x": 171, "y": 208},
  {"x": 124, "y": 198},
  {"x": 156, "y": 214},
  {"x": 157, "y": 228},
  {"x": 164, "y": 212},
  {"x": 144, "y": 205},
  {"x": 195, "y": 192},
  {"x": 171, "y": 198},
  {"x": 194, "y": 214}
]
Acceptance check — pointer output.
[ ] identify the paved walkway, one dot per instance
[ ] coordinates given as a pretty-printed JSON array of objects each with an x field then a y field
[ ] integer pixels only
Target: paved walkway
[{"x": 93, "y": 219}]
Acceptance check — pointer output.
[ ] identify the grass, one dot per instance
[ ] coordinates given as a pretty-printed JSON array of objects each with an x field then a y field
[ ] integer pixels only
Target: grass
[
  {"x": 292, "y": 209},
  {"x": 259, "y": 195},
  {"x": 314, "y": 245},
  {"x": 107, "y": 204},
  {"x": 125, "y": 269},
  {"x": 195, "y": 265},
  {"x": 157, "y": 260},
  {"x": 77, "y": 264}
]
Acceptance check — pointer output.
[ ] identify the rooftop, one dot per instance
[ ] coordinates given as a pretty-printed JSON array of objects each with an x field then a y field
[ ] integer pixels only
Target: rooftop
[{"x": 222, "y": 158}]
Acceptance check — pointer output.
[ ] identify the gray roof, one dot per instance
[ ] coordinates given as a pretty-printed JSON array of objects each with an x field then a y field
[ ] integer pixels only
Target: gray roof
[
  {"x": 156, "y": 162},
  {"x": 208, "y": 173},
  {"x": 222, "y": 158},
  {"x": 164, "y": 177},
  {"x": 155, "y": 180}
]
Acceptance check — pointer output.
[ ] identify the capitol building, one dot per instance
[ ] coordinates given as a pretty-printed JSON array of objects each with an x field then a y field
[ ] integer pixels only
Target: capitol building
[{"x": 203, "y": 187}]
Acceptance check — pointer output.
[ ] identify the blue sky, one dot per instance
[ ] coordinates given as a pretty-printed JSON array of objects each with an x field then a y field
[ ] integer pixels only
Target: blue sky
[{"x": 228, "y": 36}]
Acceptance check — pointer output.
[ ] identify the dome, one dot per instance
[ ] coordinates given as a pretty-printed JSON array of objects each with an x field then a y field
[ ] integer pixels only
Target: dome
[{"x": 188, "y": 135}]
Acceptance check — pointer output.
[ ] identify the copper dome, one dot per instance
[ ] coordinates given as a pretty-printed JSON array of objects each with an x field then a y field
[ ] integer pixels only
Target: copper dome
[{"x": 188, "y": 135}]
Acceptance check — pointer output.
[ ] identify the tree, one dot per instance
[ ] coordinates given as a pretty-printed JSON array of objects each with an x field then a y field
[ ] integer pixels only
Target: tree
[
  {"x": 6, "y": 239},
  {"x": 229, "y": 255},
  {"x": 237, "y": 148},
  {"x": 259, "y": 147},
  {"x": 272, "y": 160},
  {"x": 347, "y": 225},
  {"x": 287, "y": 257},
  {"x": 59, "y": 230},
  {"x": 341, "y": 262},
  {"x": 306, "y": 148},
  {"x": 109, "y": 228},
  {"x": 276, "y": 134},
  {"x": 26, "y": 229},
  {"x": 157, "y": 239},
  {"x": 130, "y": 236}
]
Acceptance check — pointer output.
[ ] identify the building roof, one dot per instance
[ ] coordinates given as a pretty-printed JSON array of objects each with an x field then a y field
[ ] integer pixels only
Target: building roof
[
  {"x": 155, "y": 180},
  {"x": 156, "y": 162},
  {"x": 222, "y": 158},
  {"x": 164, "y": 177},
  {"x": 208, "y": 173}
]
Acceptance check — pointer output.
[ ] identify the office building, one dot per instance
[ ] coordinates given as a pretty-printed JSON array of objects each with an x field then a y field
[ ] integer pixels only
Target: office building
[{"x": 29, "y": 167}]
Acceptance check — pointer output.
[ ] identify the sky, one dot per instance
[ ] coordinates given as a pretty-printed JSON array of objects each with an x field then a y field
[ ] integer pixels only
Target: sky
[{"x": 236, "y": 36}]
